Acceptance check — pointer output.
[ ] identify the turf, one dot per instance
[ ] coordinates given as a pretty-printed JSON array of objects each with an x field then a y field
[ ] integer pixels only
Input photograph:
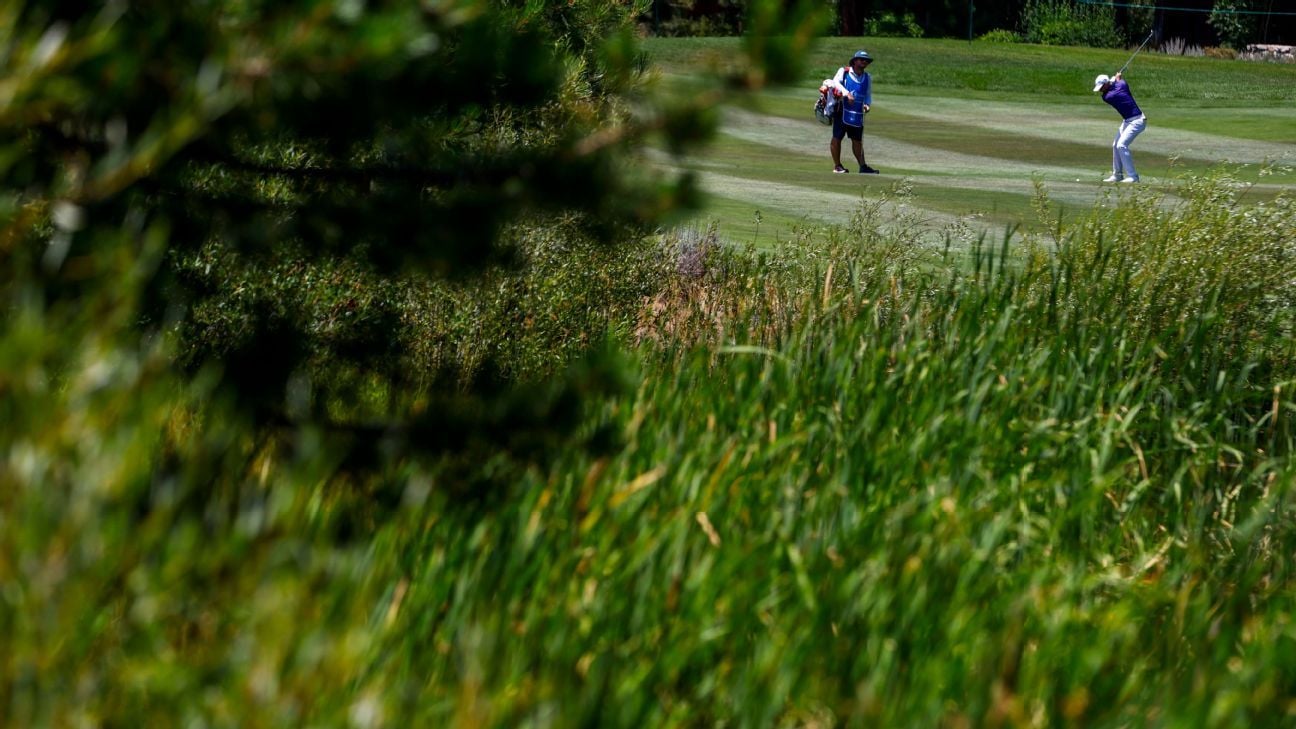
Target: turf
[{"x": 966, "y": 130}]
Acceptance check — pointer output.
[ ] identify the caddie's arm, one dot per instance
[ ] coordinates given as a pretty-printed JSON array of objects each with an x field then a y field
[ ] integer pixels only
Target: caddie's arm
[
  {"x": 868, "y": 92},
  {"x": 839, "y": 84}
]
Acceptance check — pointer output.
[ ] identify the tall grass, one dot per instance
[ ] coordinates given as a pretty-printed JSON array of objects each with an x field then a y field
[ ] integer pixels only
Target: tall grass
[
  {"x": 1055, "y": 493},
  {"x": 858, "y": 485}
]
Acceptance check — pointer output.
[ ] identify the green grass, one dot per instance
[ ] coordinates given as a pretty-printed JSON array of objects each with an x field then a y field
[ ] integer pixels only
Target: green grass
[{"x": 969, "y": 127}]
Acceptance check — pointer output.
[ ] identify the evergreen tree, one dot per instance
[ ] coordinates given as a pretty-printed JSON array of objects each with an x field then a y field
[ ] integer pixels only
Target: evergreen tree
[{"x": 400, "y": 138}]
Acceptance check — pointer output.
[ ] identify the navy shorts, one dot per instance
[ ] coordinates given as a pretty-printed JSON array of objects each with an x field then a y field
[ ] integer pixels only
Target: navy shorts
[{"x": 841, "y": 129}]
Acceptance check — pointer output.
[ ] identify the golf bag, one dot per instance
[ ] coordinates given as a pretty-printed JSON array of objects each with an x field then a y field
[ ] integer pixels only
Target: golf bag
[
  {"x": 826, "y": 104},
  {"x": 821, "y": 110}
]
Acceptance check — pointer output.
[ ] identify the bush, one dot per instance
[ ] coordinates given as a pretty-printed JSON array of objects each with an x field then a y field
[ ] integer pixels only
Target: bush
[
  {"x": 697, "y": 27},
  {"x": 1232, "y": 22},
  {"x": 1061, "y": 23},
  {"x": 1220, "y": 52},
  {"x": 892, "y": 25},
  {"x": 1061, "y": 33},
  {"x": 999, "y": 35},
  {"x": 568, "y": 294},
  {"x": 674, "y": 18}
]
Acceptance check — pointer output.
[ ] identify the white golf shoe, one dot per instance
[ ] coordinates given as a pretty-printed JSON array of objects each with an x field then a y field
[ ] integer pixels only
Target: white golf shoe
[
  {"x": 1130, "y": 179},
  {"x": 1112, "y": 178}
]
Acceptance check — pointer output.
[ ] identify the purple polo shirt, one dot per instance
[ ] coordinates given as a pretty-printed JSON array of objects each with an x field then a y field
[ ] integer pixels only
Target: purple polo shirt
[{"x": 1122, "y": 100}]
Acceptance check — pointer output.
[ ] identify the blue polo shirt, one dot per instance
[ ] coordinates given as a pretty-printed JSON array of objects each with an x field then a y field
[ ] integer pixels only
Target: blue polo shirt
[{"x": 1122, "y": 100}]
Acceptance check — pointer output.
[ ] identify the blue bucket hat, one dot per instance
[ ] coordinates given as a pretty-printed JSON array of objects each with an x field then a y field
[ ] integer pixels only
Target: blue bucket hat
[{"x": 862, "y": 54}]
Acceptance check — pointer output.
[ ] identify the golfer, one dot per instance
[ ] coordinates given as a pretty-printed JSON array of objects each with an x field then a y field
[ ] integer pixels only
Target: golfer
[
  {"x": 855, "y": 87},
  {"x": 1116, "y": 92}
]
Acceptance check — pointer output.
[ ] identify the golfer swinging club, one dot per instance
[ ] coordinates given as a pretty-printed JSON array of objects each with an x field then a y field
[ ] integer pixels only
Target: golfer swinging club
[
  {"x": 1116, "y": 92},
  {"x": 855, "y": 87}
]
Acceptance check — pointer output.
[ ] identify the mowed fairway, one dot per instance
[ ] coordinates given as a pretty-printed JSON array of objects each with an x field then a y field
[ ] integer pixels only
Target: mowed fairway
[{"x": 963, "y": 132}]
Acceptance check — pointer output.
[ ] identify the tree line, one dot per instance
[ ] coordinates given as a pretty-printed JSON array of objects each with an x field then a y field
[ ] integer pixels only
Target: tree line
[{"x": 1197, "y": 22}]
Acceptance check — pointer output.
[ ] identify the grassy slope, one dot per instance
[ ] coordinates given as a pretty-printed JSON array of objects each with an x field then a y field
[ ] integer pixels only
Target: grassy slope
[{"x": 967, "y": 127}]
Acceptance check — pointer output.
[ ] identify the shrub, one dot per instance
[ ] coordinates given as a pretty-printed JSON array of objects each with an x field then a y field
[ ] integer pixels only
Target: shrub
[
  {"x": 893, "y": 25},
  {"x": 1061, "y": 23},
  {"x": 1232, "y": 23},
  {"x": 567, "y": 295},
  {"x": 999, "y": 35},
  {"x": 673, "y": 18},
  {"x": 697, "y": 27},
  {"x": 1220, "y": 52},
  {"x": 1061, "y": 32}
]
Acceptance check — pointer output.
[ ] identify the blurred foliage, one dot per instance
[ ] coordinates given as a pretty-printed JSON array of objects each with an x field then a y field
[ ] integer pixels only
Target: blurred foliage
[
  {"x": 213, "y": 217},
  {"x": 282, "y": 159}
]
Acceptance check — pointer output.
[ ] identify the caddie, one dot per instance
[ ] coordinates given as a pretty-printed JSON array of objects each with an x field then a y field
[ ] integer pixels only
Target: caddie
[{"x": 855, "y": 87}]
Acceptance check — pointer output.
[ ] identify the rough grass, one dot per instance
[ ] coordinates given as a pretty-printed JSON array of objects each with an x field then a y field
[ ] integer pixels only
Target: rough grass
[{"x": 860, "y": 490}]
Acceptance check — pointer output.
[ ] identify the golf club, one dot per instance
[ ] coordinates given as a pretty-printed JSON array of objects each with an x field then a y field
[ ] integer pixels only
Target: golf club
[{"x": 1131, "y": 58}]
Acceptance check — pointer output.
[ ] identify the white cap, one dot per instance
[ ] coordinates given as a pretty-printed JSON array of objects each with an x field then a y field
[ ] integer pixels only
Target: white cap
[{"x": 1101, "y": 81}]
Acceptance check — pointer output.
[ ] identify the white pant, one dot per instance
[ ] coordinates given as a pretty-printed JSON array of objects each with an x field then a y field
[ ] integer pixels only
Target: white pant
[{"x": 1122, "y": 160}]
